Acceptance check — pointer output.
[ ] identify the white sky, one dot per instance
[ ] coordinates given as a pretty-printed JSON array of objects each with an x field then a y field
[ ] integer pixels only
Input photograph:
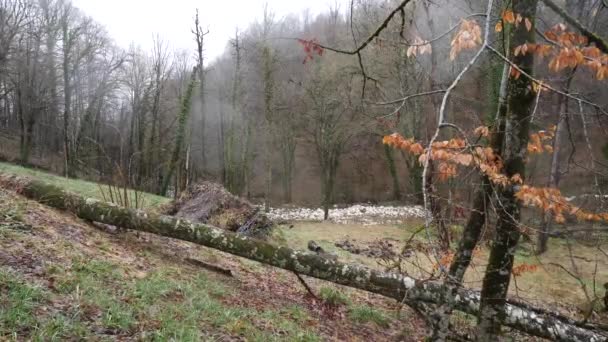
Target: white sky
[{"x": 137, "y": 21}]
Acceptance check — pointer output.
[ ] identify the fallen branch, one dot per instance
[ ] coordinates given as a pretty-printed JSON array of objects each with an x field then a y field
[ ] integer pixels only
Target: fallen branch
[
  {"x": 303, "y": 282},
  {"x": 397, "y": 286},
  {"x": 210, "y": 267}
]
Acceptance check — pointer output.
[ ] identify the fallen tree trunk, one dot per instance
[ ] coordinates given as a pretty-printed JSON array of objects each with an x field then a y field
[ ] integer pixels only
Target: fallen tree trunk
[{"x": 399, "y": 287}]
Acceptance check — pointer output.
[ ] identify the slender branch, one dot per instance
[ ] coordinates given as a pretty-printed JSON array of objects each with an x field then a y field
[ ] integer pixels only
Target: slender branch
[
  {"x": 403, "y": 99},
  {"x": 303, "y": 282},
  {"x": 546, "y": 86},
  {"x": 441, "y": 120},
  {"x": 373, "y": 36}
]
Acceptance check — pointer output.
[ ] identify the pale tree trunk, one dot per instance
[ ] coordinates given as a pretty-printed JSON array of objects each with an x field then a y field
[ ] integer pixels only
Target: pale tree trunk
[
  {"x": 554, "y": 174},
  {"x": 402, "y": 288},
  {"x": 199, "y": 35}
]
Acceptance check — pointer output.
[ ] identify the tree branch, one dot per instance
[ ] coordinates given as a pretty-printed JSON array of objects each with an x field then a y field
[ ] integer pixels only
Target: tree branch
[{"x": 592, "y": 36}]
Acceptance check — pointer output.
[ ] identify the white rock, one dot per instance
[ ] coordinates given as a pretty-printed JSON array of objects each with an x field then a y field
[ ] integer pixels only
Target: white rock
[{"x": 359, "y": 213}]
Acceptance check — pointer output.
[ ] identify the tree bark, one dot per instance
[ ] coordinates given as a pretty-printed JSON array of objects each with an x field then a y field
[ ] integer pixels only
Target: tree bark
[
  {"x": 435, "y": 206},
  {"x": 520, "y": 102},
  {"x": 67, "y": 97},
  {"x": 180, "y": 134},
  {"x": 473, "y": 229},
  {"x": 390, "y": 159},
  {"x": 200, "y": 45},
  {"x": 399, "y": 287},
  {"x": 543, "y": 235}
]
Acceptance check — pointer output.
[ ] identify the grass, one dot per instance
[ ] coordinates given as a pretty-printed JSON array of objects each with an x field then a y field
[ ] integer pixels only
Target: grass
[
  {"x": 367, "y": 314},
  {"x": 167, "y": 304},
  {"x": 547, "y": 283},
  {"x": 164, "y": 305},
  {"x": 96, "y": 286},
  {"x": 81, "y": 187},
  {"x": 18, "y": 301},
  {"x": 327, "y": 233},
  {"x": 333, "y": 296}
]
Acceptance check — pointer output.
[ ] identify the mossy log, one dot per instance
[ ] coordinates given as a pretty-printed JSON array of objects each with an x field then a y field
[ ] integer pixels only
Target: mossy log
[{"x": 400, "y": 287}]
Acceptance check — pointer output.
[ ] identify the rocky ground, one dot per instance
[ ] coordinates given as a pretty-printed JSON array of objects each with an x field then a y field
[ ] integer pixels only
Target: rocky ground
[{"x": 365, "y": 214}]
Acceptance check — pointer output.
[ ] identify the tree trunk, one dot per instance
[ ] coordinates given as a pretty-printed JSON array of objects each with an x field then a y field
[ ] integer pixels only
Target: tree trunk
[
  {"x": 67, "y": 101},
  {"x": 180, "y": 134},
  {"x": 473, "y": 229},
  {"x": 518, "y": 316},
  {"x": 268, "y": 78},
  {"x": 543, "y": 235},
  {"x": 388, "y": 152},
  {"x": 200, "y": 45},
  {"x": 327, "y": 190},
  {"x": 520, "y": 104},
  {"x": 268, "y": 166},
  {"x": 220, "y": 141},
  {"x": 435, "y": 206}
]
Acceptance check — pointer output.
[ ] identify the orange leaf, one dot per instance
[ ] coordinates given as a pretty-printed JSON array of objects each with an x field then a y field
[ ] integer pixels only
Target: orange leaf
[
  {"x": 515, "y": 73},
  {"x": 551, "y": 35},
  {"x": 416, "y": 149},
  {"x": 517, "y": 50},
  {"x": 482, "y": 131},
  {"x": 517, "y": 179},
  {"x": 498, "y": 27},
  {"x": 508, "y": 16},
  {"x": 528, "y": 24}
]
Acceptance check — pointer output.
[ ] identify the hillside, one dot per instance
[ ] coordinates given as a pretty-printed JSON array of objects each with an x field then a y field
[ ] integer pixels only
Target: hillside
[{"x": 65, "y": 279}]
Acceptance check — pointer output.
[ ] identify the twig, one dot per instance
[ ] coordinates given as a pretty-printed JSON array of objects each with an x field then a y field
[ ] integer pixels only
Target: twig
[
  {"x": 303, "y": 282},
  {"x": 546, "y": 86},
  {"x": 210, "y": 267},
  {"x": 593, "y": 37},
  {"x": 376, "y": 33}
]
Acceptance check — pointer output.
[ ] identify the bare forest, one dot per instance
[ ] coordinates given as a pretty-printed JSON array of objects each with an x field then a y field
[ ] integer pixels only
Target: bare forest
[{"x": 446, "y": 161}]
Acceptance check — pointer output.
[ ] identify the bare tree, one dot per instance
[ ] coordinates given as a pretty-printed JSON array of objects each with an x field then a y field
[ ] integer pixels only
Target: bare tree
[{"x": 199, "y": 36}]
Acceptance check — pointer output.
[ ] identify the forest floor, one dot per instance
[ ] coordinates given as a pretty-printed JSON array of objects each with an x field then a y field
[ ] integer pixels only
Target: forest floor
[{"x": 65, "y": 279}]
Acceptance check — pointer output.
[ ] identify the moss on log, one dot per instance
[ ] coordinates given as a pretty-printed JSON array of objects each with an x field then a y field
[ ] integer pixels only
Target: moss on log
[{"x": 400, "y": 287}]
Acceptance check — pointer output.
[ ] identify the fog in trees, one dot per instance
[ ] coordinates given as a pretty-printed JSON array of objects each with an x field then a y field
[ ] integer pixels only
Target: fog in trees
[{"x": 489, "y": 117}]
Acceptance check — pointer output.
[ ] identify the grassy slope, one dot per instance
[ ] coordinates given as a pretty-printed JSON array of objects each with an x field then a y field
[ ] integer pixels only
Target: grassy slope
[
  {"x": 81, "y": 187},
  {"x": 63, "y": 279}
]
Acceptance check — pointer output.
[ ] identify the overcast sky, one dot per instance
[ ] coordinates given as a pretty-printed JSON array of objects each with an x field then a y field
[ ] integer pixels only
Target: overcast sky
[{"x": 138, "y": 20}]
